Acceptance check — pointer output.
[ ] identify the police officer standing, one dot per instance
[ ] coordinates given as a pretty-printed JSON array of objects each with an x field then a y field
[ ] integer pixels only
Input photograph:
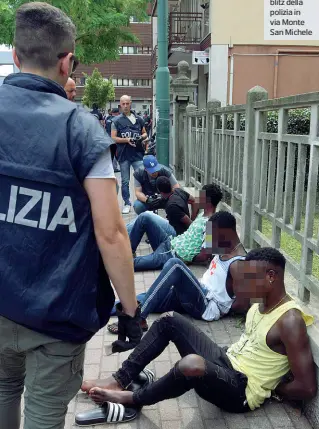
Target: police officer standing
[
  {"x": 127, "y": 131},
  {"x": 61, "y": 230}
]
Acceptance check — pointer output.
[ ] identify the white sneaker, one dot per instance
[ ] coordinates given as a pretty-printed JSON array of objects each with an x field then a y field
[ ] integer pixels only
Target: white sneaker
[{"x": 126, "y": 209}]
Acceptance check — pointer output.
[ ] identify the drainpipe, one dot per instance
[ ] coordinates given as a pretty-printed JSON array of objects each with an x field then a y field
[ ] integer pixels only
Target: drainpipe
[
  {"x": 162, "y": 85},
  {"x": 231, "y": 79}
]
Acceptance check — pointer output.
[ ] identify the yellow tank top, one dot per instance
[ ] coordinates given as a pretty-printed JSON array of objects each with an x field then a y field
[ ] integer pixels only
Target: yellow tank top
[{"x": 251, "y": 355}]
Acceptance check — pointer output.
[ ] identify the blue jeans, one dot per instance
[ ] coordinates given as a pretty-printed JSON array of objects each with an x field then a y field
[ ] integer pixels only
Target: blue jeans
[
  {"x": 158, "y": 231},
  {"x": 125, "y": 167},
  {"x": 175, "y": 289},
  {"x": 139, "y": 207}
]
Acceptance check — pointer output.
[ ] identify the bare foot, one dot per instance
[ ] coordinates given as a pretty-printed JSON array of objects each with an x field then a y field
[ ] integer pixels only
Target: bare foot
[
  {"x": 99, "y": 396},
  {"x": 108, "y": 383}
]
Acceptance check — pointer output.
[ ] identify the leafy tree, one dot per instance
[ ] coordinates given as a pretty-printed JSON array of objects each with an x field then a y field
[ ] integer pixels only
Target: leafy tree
[
  {"x": 102, "y": 25},
  {"x": 97, "y": 90}
]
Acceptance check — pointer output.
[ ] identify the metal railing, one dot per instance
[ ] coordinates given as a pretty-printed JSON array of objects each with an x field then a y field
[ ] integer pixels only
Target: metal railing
[
  {"x": 271, "y": 178},
  {"x": 185, "y": 28}
]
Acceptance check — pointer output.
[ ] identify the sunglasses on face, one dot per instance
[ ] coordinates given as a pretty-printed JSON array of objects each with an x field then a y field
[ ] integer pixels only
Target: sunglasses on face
[{"x": 73, "y": 58}]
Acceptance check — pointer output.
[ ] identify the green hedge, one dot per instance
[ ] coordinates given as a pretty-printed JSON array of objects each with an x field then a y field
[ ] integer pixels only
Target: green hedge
[{"x": 298, "y": 122}]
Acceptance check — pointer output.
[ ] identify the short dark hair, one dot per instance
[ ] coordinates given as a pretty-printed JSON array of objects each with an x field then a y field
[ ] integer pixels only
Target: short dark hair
[
  {"x": 95, "y": 106},
  {"x": 214, "y": 193},
  {"x": 163, "y": 184},
  {"x": 42, "y": 32},
  {"x": 223, "y": 220},
  {"x": 267, "y": 254}
]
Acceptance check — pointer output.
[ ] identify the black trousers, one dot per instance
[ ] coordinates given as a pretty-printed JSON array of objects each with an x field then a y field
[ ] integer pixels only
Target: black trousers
[{"x": 221, "y": 384}]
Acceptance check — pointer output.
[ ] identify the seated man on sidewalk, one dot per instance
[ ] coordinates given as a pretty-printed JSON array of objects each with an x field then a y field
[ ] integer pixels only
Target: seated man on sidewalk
[
  {"x": 187, "y": 246},
  {"x": 145, "y": 184},
  {"x": 211, "y": 297},
  {"x": 237, "y": 379}
]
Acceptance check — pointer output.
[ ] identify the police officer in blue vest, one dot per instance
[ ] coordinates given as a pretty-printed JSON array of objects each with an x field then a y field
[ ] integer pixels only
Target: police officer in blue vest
[
  {"x": 61, "y": 230},
  {"x": 127, "y": 131}
]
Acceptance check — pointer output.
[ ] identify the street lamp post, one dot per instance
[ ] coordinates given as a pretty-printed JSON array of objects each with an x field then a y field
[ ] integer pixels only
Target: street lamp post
[{"x": 162, "y": 85}]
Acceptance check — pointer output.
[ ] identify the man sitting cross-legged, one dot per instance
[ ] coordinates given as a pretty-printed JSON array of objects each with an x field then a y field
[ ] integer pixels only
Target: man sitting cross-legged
[
  {"x": 236, "y": 380},
  {"x": 165, "y": 245},
  {"x": 209, "y": 298}
]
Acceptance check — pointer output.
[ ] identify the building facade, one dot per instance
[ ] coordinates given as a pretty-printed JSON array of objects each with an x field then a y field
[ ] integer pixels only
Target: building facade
[
  {"x": 131, "y": 74},
  {"x": 232, "y": 33}
]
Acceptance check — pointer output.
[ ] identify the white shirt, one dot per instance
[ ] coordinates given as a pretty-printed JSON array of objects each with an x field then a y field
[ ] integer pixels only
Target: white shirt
[
  {"x": 103, "y": 168},
  {"x": 214, "y": 280}
]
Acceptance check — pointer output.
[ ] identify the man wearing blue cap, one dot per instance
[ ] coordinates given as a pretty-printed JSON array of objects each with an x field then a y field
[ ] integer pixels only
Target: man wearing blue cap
[{"x": 145, "y": 184}]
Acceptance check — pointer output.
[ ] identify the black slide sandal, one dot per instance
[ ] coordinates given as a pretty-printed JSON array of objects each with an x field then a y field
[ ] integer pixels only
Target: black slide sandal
[{"x": 109, "y": 412}]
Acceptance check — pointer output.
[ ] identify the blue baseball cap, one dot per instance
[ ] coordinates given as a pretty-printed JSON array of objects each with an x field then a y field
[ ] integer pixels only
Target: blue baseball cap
[{"x": 151, "y": 164}]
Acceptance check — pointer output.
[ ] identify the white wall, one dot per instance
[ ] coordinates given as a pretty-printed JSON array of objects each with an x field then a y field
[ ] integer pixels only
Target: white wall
[
  {"x": 218, "y": 73},
  {"x": 154, "y": 30}
]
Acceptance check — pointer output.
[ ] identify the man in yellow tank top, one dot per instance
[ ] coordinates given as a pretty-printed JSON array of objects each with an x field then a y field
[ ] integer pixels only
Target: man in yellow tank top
[{"x": 275, "y": 342}]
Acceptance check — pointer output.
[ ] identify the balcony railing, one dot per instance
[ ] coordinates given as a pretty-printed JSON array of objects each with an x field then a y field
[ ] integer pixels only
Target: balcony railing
[{"x": 185, "y": 28}]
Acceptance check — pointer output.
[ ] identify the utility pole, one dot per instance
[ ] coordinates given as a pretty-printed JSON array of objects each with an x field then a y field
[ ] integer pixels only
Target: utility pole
[{"x": 162, "y": 85}]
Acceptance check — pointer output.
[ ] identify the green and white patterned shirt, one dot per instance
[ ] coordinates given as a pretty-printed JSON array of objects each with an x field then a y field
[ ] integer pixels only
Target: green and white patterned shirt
[{"x": 189, "y": 244}]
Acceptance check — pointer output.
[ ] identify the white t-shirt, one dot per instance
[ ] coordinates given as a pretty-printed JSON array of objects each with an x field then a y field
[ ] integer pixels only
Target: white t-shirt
[
  {"x": 132, "y": 118},
  {"x": 103, "y": 168}
]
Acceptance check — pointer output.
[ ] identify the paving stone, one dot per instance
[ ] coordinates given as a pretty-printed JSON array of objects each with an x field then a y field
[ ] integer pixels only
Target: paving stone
[
  {"x": 95, "y": 357},
  {"x": 188, "y": 400},
  {"x": 110, "y": 363},
  {"x": 209, "y": 411},
  {"x": 162, "y": 368},
  {"x": 169, "y": 410},
  {"x": 95, "y": 343},
  {"x": 149, "y": 419},
  {"x": 278, "y": 415},
  {"x": 172, "y": 425},
  {"x": 165, "y": 356},
  {"x": 91, "y": 372},
  {"x": 215, "y": 424},
  {"x": 259, "y": 423},
  {"x": 237, "y": 421},
  {"x": 192, "y": 419},
  {"x": 84, "y": 406},
  {"x": 299, "y": 420}
]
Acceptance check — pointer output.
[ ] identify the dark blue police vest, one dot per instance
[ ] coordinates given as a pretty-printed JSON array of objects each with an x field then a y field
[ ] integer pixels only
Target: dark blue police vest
[
  {"x": 52, "y": 278},
  {"x": 125, "y": 128}
]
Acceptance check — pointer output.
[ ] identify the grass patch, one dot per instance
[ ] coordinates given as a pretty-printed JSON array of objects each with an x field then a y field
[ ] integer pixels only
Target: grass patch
[{"x": 291, "y": 246}]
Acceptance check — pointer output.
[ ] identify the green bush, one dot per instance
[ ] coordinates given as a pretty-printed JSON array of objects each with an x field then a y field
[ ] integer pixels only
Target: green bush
[{"x": 298, "y": 122}]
